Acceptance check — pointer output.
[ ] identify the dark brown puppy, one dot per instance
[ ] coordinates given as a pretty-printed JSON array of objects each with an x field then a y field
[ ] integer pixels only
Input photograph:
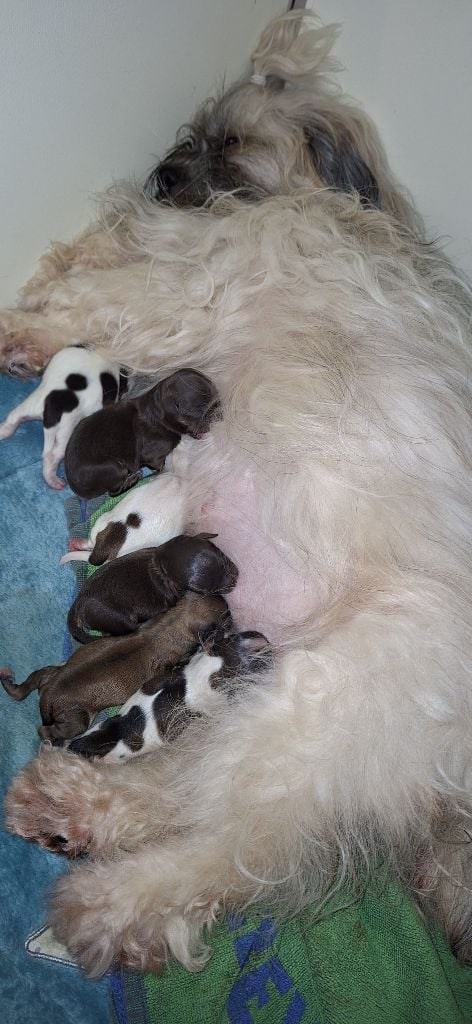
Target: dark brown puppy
[
  {"x": 112, "y": 669},
  {"x": 107, "y": 450},
  {"x": 128, "y": 590}
]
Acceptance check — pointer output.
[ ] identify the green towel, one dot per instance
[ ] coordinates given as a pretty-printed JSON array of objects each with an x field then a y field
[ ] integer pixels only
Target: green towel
[{"x": 371, "y": 962}]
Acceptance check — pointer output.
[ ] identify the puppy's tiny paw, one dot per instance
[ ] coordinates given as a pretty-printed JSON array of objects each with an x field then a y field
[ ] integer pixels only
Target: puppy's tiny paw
[{"x": 56, "y": 482}]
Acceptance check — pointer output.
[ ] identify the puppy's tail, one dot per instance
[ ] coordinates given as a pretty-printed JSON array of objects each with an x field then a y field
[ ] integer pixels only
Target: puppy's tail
[
  {"x": 79, "y": 550},
  {"x": 7, "y": 679},
  {"x": 74, "y": 556}
]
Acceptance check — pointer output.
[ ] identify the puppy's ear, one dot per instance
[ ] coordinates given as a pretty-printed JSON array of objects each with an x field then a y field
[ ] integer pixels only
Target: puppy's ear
[
  {"x": 189, "y": 401},
  {"x": 108, "y": 543},
  {"x": 339, "y": 165},
  {"x": 253, "y": 642},
  {"x": 211, "y": 572},
  {"x": 255, "y": 651}
]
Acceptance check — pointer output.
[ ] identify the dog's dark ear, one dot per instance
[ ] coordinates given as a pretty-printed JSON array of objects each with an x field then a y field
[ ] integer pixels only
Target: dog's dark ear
[
  {"x": 255, "y": 651},
  {"x": 189, "y": 401},
  {"x": 108, "y": 543},
  {"x": 211, "y": 572},
  {"x": 253, "y": 642},
  {"x": 340, "y": 166}
]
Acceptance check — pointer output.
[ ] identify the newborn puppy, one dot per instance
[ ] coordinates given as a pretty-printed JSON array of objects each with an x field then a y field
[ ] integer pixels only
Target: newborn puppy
[
  {"x": 125, "y": 592},
  {"x": 147, "y": 516},
  {"x": 163, "y": 706},
  {"x": 76, "y": 383},
  {"x": 107, "y": 450},
  {"x": 108, "y": 671}
]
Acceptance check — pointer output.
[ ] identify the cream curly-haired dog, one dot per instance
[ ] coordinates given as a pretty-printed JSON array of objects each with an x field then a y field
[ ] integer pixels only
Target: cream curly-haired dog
[{"x": 339, "y": 482}]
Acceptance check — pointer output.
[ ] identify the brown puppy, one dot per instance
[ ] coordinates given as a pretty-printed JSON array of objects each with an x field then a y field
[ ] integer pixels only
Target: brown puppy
[
  {"x": 107, "y": 450},
  {"x": 112, "y": 669},
  {"x": 128, "y": 590}
]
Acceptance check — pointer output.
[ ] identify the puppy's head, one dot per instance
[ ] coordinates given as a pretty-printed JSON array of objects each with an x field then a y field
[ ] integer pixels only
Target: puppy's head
[
  {"x": 242, "y": 653},
  {"x": 197, "y": 564},
  {"x": 283, "y": 129},
  {"x": 186, "y": 402}
]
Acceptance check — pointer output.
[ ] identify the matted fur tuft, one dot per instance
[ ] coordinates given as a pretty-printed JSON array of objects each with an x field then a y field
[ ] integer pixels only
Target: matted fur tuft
[
  {"x": 298, "y": 57},
  {"x": 338, "y": 479}
]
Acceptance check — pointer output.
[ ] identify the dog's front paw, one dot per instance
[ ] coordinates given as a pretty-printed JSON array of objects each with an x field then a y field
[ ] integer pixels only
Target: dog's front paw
[
  {"x": 93, "y": 914},
  {"x": 52, "y": 803},
  {"x": 24, "y": 351}
]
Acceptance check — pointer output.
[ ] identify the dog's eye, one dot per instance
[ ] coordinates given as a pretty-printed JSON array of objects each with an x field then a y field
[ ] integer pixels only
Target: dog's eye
[
  {"x": 188, "y": 143},
  {"x": 231, "y": 140}
]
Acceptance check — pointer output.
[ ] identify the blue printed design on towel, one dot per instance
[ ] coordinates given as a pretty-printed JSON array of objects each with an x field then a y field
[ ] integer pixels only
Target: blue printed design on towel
[
  {"x": 254, "y": 984},
  {"x": 255, "y": 942}
]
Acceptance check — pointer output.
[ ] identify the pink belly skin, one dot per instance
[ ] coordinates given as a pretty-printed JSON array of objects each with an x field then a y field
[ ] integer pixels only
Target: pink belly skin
[{"x": 271, "y": 594}]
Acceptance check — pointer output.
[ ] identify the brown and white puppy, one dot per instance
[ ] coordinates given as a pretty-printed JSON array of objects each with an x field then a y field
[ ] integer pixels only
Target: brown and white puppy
[
  {"x": 146, "y": 516},
  {"x": 108, "y": 449},
  {"x": 162, "y": 708},
  {"x": 129, "y": 590},
  {"x": 112, "y": 669}
]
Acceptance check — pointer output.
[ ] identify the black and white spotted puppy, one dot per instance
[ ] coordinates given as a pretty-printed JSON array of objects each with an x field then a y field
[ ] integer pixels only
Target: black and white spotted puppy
[
  {"x": 165, "y": 704},
  {"x": 76, "y": 383}
]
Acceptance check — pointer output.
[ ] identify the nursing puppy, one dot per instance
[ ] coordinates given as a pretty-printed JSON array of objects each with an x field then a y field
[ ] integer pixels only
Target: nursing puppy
[
  {"x": 108, "y": 671},
  {"x": 338, "y": 479},
  {"x": 106, "y": 451},
  {"x": 129, "y": 590},
  {"x": 167, "y": 702},
  {"x": 149, "y": 515},
  {"x": 76, "y": 383}
]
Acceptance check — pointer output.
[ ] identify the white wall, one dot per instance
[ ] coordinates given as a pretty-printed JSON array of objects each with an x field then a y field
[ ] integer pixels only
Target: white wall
[
  {"x": 91, "y": 90},
  {"x": 409, "y": 63}
]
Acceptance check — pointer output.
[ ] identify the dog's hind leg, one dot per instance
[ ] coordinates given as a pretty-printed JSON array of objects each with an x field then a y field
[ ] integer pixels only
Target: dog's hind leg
[
  {"x": 34, "y": 681},
  {"x": 56, "y": 437},
  {"x": 141, "y": 908}
]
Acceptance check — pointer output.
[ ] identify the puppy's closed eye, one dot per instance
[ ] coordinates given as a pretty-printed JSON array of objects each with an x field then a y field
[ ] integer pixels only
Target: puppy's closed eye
[{"x": 124, "y": 480}]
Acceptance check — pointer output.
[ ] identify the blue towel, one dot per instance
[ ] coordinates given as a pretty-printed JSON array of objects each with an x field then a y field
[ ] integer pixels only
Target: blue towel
[{"x": 35, "y": 595}]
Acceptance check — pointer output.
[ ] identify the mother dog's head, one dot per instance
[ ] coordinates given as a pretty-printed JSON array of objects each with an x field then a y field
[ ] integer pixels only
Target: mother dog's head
[{"x": 285, "y": 127}]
